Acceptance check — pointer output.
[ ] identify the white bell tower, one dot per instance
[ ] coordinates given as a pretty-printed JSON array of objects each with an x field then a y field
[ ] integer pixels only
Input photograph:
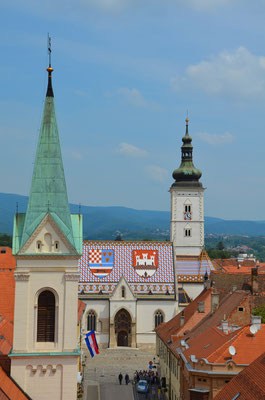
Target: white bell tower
[{"x": 187, "y": 213}]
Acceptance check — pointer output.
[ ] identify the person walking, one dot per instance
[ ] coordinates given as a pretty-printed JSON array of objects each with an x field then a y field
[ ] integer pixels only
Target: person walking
[
  {"x": 127, "y": 379},
  {"x": 146, "y": 391},
  {"x": 120, "y": 378}
]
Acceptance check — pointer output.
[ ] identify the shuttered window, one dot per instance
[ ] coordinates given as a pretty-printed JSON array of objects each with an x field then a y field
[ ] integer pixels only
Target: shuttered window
[{"x": 46, "y": 317}]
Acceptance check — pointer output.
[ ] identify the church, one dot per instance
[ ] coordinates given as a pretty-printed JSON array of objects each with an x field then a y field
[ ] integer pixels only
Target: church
[{"x": 129, "y": 288}]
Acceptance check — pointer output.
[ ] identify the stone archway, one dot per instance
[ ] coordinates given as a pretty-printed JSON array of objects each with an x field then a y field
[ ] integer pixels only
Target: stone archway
[{"x": 123, "y": 328}]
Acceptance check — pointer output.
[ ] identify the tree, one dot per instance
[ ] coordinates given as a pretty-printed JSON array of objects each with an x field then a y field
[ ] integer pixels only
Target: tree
[
  {"x": 260, "y": 310},
  {"x": 220, "y": 245}
]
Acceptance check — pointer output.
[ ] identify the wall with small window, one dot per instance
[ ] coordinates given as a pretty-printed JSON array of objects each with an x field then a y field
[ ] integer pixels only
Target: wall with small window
[{"x": 91, "y": 320}]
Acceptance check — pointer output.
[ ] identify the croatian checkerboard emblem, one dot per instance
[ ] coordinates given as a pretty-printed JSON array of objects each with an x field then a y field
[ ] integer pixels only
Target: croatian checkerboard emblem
[
  {"x": 100, "y": 262},
  {"x": 145, "y": 262}
]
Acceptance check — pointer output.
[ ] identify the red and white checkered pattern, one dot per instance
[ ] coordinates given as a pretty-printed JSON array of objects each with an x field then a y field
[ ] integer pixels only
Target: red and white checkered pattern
[{"x": 94, "y": 256}]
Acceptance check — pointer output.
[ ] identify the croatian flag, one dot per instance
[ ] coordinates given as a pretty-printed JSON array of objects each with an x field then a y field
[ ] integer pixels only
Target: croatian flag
[{"x": 91, "y": 342}]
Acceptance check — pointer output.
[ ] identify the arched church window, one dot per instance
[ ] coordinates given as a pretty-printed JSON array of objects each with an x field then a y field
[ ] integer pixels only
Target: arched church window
[
  {"x": 46, "y": 317},
  {"x": 159, "y": 318},
  {"x": 91, "y": 320},
  {"x": 123, "y": 291}
]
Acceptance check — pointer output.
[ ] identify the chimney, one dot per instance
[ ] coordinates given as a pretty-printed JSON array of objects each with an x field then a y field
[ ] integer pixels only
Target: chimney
[
  {"x": 201, "y": 306},
  {"x": 225, "y": 326},
  {"x": 214, "y": 302},
  {"x": 256, "y": 321},
  {"x": 254, "y": 280}
]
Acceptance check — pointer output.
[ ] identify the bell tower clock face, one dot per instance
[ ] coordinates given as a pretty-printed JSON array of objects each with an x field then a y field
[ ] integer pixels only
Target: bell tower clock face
[{"x": 187, "y": 216}]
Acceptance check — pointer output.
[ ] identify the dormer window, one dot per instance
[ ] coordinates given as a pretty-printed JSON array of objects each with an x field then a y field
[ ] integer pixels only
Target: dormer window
[
  {"x": 38, "y": 246},
  {"x": 123, "y": 292}
]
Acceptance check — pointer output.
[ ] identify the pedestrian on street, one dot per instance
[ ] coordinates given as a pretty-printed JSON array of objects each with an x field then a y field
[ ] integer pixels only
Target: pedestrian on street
[
  {"x": 127, "y": 379},
  {"x": 146, "y": 391},
  {"x": 120, "y": 378}
]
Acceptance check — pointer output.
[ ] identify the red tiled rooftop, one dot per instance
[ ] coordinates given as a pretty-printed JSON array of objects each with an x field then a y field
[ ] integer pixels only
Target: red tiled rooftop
[
  {"x": 232, "y": 265},
  {"x": 248, "y": 384},
  {"x": 191, "y": 317},
  {"x": 7, "y": 260},
  {"x": 6, "y": 330},
  {"x": 10, "y": 389},
  {"x": 7, "y": 283},
  {"x": 214, "y": 344}
]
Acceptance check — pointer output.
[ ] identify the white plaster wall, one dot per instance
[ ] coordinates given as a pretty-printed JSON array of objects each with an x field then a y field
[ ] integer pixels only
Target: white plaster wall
[
  {"x": 101, "y": 308},
  {"x": 187, "y": 245},
  {"x": 45, "y": 274},
  {"x": 193, "y": 289},
  {"x": 45, "y": 378},
  {"x": 145, "y": 322}
]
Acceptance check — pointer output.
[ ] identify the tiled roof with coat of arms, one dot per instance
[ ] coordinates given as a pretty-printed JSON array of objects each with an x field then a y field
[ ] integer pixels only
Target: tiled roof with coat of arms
[{"x": 147, "y": 266}]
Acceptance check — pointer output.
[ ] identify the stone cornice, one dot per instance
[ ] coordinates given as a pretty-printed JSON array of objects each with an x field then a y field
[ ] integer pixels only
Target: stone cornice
[
  {"x": 39, "y": 256},
  {"x": 21, "y": 276},
  {"x": 68, "y": 276}
]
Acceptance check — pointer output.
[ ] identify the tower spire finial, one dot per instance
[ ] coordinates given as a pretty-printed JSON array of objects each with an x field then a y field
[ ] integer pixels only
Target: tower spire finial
[{"x": 49, "y": 69}]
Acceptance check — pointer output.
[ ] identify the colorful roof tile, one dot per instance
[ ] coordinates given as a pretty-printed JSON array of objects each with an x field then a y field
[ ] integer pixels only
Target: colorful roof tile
[
  {"x": 193, "y": 268},
  {"x": 147, "y": 266}
]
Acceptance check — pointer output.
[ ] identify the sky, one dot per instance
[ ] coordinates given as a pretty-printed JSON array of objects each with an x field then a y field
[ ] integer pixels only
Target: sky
[{"x": 125, "y": 74}]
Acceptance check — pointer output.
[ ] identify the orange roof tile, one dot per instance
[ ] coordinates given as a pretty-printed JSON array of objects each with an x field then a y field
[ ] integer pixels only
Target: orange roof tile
[
  {"x": 7, "y": 283},
  {"x": 248, "y": 347},
  {"x": 10, "y": 388},
  {"x": 228, "y": 303},
  {"x": 248, "y": 384},
  {"x": 7, "y": 260},
  {"x": 6, "y": 330}
]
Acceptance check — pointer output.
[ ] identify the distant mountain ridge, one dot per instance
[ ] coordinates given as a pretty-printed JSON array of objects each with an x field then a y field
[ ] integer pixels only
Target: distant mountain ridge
[{"x": 105, "y": 222}]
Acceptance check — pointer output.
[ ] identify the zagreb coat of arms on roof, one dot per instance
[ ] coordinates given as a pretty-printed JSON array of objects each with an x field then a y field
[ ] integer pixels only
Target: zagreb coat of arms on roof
[
  {"x": 145, "y": 262},
  {"x": 100, "y": 262}
]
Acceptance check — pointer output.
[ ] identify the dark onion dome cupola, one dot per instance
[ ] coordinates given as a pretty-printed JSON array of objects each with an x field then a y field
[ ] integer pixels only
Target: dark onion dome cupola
[{"x": 186, "y": 174}]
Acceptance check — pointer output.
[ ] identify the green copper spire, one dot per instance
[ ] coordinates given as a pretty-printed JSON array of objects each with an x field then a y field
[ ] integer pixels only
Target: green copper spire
[
  {"x": 187, "y": 174},
  {"x": 48, "y": 194}
]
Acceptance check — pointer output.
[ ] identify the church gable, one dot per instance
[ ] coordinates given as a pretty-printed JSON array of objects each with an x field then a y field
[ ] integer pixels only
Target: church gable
[
  {"x": 47, "y": 239},
  {"x": 123, "y": 291}
]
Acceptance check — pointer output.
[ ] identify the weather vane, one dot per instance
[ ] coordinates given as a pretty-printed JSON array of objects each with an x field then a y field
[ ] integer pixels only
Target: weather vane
[{"x": 49, "y": 49}]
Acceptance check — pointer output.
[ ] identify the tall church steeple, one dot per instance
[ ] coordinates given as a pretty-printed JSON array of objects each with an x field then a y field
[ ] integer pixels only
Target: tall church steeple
[
  {"x": 48, "y": 194},
  {"x": 47, "y": 243},
  {"x": 187, "y": 218}
]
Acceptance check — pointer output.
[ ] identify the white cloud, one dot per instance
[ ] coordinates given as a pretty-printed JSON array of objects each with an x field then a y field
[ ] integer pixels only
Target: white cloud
[
  {"x": 237, "y": 74},
  {"x": 156, "y": 173},
  {"x": 128, "y": 149},
  {"x": 133, "y": 96},
  {"x": 215, "y": 140}
]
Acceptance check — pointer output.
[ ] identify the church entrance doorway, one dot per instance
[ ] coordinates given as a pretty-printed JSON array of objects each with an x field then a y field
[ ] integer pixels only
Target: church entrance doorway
[
  {"x": 122, "y": 338},
  {"x": 123, "y": 328}
]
